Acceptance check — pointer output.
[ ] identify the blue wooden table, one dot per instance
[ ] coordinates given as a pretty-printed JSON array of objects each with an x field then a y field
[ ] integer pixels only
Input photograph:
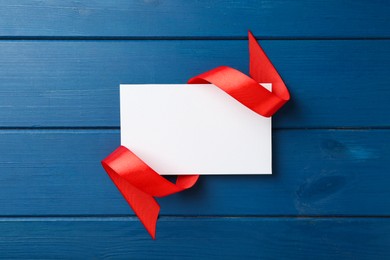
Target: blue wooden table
[{"x": 61, "y": 63}]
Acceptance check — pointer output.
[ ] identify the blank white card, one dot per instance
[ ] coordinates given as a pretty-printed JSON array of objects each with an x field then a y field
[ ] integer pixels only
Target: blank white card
[{"x": 194, "y": 129}]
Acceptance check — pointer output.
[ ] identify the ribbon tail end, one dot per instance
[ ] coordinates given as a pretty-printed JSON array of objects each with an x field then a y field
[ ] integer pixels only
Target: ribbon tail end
[{"x": 150, "y": 221}]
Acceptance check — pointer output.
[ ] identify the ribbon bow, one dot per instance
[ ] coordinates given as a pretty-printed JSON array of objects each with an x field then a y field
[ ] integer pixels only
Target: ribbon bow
[{"x": 139, "y": 183}]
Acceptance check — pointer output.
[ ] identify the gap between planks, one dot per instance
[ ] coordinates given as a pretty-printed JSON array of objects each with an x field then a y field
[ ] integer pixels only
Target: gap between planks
[
  {"x": 181, "y": 38},
  {"x": 169, "y": 218},
  {"x": 117, "y": 128}
]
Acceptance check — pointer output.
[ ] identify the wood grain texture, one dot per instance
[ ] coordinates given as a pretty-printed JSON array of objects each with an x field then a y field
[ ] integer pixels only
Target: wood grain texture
[
  {"x": 61, "y": 63},
  {"x": 76, "y": 83},
  {"x": 316, "y": 172},
  {"x": 226, "y": 18},
  {"x": 196, "y": 238}
]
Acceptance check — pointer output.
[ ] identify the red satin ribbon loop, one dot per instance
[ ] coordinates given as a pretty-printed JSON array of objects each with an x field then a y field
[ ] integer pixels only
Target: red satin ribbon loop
[
  {"x": 246, "y": 89},
  {"x": 243, "y": 88},
  {"x": 139, "y": 183}
]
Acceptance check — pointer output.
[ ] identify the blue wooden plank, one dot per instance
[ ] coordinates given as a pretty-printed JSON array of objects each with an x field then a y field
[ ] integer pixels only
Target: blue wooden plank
[
  {"x": 283, "y": 18},
  {"x": 75, "y": 83},
  {"x": 316, "y": 172},
  {"x": 196, "y": 238}
]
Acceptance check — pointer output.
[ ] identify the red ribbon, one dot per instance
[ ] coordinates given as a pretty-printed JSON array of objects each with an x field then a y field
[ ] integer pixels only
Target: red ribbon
[
  {"x": 139, "y": 183},
  {"x": 246, "y": 89}
]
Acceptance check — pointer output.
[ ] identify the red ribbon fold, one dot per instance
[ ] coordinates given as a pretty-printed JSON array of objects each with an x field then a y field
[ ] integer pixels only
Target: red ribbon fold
[
  {"x": 139, "y": 183},
  {"x": 246, "y": 89}
]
